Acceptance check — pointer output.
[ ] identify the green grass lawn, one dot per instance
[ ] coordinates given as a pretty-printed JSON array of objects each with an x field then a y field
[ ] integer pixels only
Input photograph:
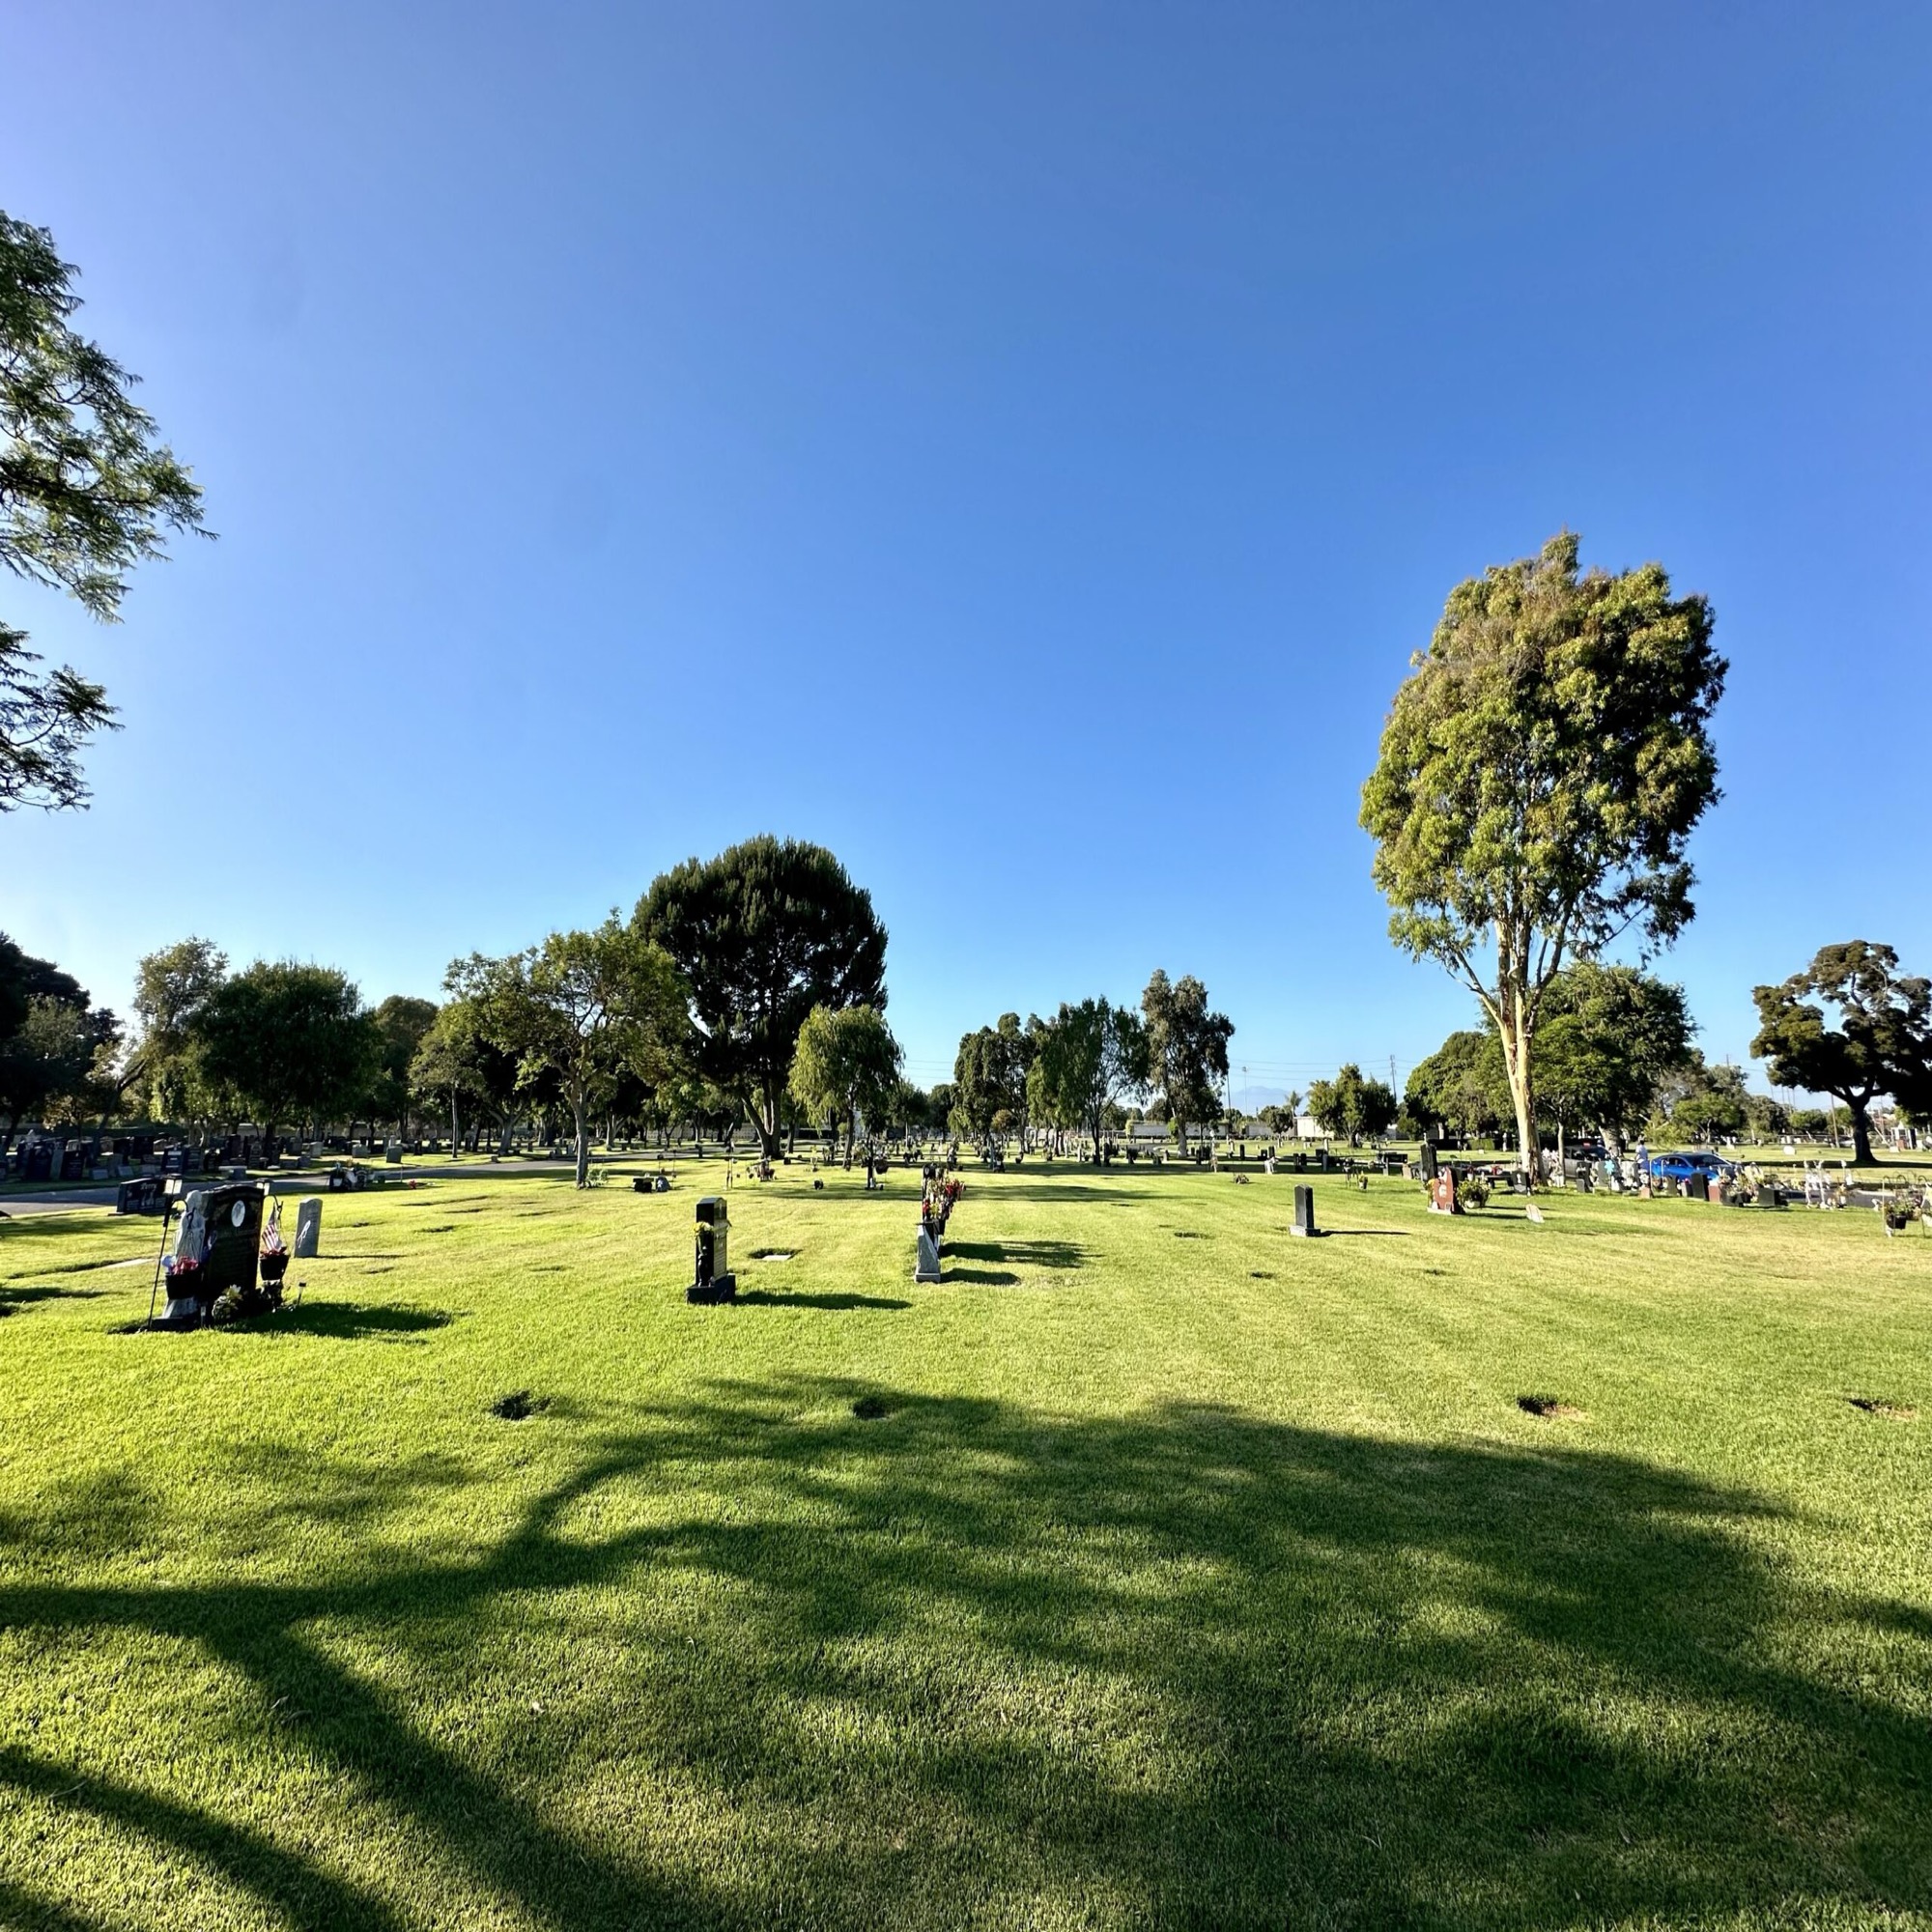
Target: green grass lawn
[{"x": 1154, "y": 1569}]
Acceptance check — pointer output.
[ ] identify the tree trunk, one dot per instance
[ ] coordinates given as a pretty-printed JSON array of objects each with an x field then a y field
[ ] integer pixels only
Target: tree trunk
[
  {"x": 1861, "y": 1147},
  {"x": 581, "y": 1113},
  {"x": 1516, "y": 1065},
  {"x": 765, "y": 1117}
]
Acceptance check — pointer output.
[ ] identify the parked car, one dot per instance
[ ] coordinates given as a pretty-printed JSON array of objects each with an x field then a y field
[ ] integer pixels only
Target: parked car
[{"x": 1691, "y": 1167}]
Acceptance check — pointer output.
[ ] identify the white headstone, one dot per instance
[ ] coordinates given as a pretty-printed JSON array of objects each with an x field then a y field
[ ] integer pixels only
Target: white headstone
[{"x": 308, "y": 1226}]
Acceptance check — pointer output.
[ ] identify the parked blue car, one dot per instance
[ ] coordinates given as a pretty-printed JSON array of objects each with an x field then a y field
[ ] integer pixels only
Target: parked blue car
[{"x": 1691, "y": 1167}]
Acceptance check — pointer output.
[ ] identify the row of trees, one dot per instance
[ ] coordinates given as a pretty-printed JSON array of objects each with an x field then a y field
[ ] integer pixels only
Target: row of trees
[
  {"x": 1079, "y": 1070},
  {"x": 696, "y": 1006},
  {"x": 1615, "y": 1056},
  {"x": 755, "y": 978}
]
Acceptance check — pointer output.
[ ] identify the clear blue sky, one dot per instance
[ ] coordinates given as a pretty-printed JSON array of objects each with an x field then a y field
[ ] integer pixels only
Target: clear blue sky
[{"x": 940, "y": 431}]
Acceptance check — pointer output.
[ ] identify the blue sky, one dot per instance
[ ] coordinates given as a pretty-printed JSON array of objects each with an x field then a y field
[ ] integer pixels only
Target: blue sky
[{"x": 1018, "y": 446}]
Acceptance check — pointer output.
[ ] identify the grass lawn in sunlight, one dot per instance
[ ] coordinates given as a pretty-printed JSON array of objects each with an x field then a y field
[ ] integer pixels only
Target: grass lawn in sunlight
[{"x": 1156, "y": 1569}]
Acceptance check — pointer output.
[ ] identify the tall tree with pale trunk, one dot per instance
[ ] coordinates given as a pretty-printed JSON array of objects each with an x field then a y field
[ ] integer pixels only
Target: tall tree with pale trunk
[{"x": 1541, "y": 773}]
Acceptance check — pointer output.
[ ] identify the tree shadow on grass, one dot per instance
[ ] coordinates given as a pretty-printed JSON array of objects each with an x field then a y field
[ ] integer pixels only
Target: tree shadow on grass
[
  {"x": 12, "y": 1297},
  {"x": 970, "y": 1661},
  {"x": 764, "y": 1297},
  {"x": 1025, "y": 1254},
  {"x": 344, "y": 1320},
  {"x": 982, "y": 1277}
]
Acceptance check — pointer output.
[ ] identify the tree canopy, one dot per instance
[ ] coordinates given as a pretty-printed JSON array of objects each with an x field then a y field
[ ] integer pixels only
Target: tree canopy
[
  {"x": 1881, "y": 1044},
  {"x": 1187, "y": 1048},
  {"x": 1089, "y": 1058},
  {"x": 762, "y": 934},
  {"x": 56, "y": 1047},
  {"x": 402, "y": 1022},
  {"x": 1352, "y": 1104},
  {"x": 847, "y": 1066},
  {"x": 989, "y": 1076},
  {"x": 1541, "y": 773},
  {"x": 1610, "y": 1037},
  {"x": 86, "y": 493},
  {"x": 456, "y": 1060},
  {"x": 172, "y": 986},
  {"x": 580, "y": 1008},
  {"x": 285, "y": 1043}
]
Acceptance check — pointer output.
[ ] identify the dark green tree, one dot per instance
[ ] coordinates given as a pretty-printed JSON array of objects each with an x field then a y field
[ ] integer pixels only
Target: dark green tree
[
  {"x": 457, "y": 1061},
  {"x": 86, "y": 493},
  {"x": 1460, "y": 1086},
  {"x": 287, "y": 1044},
  {"x": 989, "y": 1077},
  {"x": 51, "y": 1064},
  {"x": 1881, "y": 1044},
  {"x": 762, "y": 934},
  {"x": 1187, "y": 1049},
  {"x": 1611, "y": 1037},
  {"x": 1541, "y": 773},
  {"x": 1354, "y": 1105},
  {"x": 402, "y": 1022},
  {"x": 1091, "y": 1059}
]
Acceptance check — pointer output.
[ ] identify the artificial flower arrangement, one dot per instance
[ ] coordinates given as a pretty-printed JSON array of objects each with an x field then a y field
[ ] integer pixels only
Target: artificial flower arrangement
[{"x": 936, "y": 1203}]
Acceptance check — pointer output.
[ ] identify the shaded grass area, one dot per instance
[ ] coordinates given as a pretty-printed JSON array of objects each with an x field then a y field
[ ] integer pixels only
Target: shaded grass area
[{"x": 1501, "y": 1575}]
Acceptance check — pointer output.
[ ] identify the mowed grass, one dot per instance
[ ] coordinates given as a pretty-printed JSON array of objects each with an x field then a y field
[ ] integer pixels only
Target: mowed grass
[{"x": 1156, "y": 1569}]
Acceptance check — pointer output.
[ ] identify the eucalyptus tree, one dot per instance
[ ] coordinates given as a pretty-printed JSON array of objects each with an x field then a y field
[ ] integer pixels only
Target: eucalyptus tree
[
  {"x": 1187, "y": 1049},
  {"x": 1541, "y": 773},
  {"x": 1091, "y": 1058},
  {"x": 172, "y": 985},
  {"x": 989, "y": 1077}
]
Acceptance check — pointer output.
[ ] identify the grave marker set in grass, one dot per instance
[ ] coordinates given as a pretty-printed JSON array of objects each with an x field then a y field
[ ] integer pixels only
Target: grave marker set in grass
[{"x": 1439, "y": 1573}]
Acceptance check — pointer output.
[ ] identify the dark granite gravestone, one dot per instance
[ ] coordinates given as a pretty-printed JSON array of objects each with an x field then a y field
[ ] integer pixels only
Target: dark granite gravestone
[
  {"x": 234, "y": 1236},
  {"x": 221, "y": 1228},
  {"x": 713, "y": 1279},
  {"x": 36, "y": 1162},
  {"x": 1304, "y": 1211}
]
